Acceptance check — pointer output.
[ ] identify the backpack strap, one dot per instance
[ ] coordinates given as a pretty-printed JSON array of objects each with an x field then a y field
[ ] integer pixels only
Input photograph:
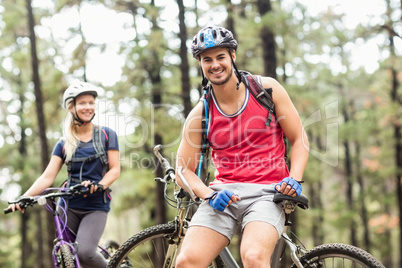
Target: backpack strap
[
  {"x": 100, "y": 146},
  {"x": 206, "y": 101},
  {"x": 205, "y": 119},
  {"x": 101, "y": 153},
  {"x": 262, "y": 95},
  {"x": 69, "y": 166}
]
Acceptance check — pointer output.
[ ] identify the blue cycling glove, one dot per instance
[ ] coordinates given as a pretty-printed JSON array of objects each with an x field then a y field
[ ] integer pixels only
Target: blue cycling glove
[
  {"x": 293, "y": 183},
  {"x": 219, "y": 199}
]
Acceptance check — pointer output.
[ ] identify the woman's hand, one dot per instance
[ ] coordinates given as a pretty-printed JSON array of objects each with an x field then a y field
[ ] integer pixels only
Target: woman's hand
[
  {"x": 93, "y": 187},
  {"x": 16, "y": 206}
]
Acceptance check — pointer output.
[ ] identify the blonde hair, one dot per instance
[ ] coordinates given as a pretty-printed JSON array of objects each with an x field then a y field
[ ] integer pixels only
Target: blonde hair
[{"x": 70, "y": 137}]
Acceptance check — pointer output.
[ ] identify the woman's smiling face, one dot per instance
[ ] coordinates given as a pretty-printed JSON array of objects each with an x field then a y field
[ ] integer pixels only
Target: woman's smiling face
[{"x": 84, "y": 107}]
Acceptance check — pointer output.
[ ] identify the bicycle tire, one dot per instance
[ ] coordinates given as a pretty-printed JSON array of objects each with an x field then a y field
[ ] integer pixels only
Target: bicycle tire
[
  {"x": 148, "y": 249},
  {"x": 67, "y": 257},
  {"x": 339, "y": 256}
]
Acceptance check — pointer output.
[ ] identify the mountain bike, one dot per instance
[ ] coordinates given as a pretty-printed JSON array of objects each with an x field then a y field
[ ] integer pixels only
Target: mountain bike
[
  {"x": 158, "y": 246},
  {"x": 64, "y": 251}
]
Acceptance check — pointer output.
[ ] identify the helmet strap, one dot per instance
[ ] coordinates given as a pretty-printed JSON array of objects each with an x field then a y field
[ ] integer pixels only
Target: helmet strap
[
  {"x": 238, "y": 75},
  {"x": 204, "y": 79}
]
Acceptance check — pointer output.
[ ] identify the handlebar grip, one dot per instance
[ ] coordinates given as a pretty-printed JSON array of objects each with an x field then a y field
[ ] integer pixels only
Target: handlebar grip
[
  {"x": 23, "y": 202},
  {"x": 7, "y": 210},
  {"x": 164, "y": 162}
]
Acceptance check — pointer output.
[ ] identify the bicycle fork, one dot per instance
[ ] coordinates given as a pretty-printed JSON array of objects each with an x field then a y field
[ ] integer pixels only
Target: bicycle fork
[
  {"x": 175, "y": 241},
  {"x": 61, "y": 235}
]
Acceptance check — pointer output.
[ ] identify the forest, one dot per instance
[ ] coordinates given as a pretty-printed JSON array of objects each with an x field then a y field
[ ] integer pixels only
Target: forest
[{"x": 340, "y": 61}]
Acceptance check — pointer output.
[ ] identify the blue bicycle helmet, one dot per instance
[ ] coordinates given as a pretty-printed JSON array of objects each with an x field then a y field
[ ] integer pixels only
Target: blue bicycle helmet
[{"x": 212, "y": 37}]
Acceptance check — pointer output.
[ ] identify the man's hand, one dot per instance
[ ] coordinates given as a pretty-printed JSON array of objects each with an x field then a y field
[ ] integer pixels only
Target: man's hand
[
  {"x": 289, "y": 186},
  {"x": 219, "y": 200}
]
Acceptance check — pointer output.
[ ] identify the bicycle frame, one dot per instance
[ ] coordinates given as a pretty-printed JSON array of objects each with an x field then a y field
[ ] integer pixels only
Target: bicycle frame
[{"x": 284, "y": 241}]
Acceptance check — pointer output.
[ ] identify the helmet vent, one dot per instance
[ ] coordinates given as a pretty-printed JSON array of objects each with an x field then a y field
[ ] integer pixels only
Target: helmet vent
[{"x": 214, "y": 33}]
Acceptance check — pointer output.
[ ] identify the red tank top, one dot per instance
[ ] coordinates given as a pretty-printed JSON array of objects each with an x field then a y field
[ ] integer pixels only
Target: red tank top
[{"x": 244, "y": 149}]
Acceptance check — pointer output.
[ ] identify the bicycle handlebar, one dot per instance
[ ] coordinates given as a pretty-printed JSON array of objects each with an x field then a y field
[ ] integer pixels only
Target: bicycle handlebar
[
  {"x": 169, "y": 171},
  {"x": 29, "y": 201},
  {"x": 186, "y": 186}
]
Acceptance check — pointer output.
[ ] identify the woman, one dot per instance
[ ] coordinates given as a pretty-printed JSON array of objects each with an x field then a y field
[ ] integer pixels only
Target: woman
[{"x": 87, "y": 166}]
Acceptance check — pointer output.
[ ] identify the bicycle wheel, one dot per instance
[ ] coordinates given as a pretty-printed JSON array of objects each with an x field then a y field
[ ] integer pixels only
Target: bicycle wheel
[
  {"x": 148, "y": 248},
  {"x": 339, "y": 256},
  {"x": 67, "y": 258}
]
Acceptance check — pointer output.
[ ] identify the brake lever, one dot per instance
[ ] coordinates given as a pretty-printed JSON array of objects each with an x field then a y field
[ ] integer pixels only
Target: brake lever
[
  {"x": 78, "y": 189},
  {"x": 23, "y": 202}
]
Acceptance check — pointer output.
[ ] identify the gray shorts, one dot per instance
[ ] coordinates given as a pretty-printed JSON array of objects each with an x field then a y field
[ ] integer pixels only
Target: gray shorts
[{"x": 255, "y": 205}]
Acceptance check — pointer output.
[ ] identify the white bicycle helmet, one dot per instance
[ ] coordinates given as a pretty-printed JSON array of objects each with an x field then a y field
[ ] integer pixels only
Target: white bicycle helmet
[{"x": 77, "y": 89}]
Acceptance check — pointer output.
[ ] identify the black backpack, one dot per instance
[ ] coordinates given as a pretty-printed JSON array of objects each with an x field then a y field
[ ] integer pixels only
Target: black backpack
[
  {"x": 262, "y": 95},
  {"x": 99, "y": 145}
]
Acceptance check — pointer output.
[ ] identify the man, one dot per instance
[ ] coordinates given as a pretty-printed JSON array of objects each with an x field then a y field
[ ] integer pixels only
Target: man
[{"x": 248, "y": 156}]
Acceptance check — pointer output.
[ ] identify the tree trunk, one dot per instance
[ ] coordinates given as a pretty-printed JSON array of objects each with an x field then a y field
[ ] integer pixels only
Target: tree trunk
[
  {"x": 348, "y": 172},
  {"x": 153, "y": 71},
  {"x": 26, "y": 247},
  {"x": 267, "y": 41},
  {"x": 362, "y": 199},
  {"x": 396, "y": 98},
  {"x": 387, "y": 248},
  {"x": 398, "y": 162},
  {"x": 230, "y": 20},
  {"x": 314, "y": 196},
  {"x": 184, "y": 68},
  {"x": 349, "y": 191},
  {"x": 42, "y": 259},
  {"x": 364, "y": 214},
  {"x": 154, "y": 75},
  {"x": 37, "y": 87}
]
